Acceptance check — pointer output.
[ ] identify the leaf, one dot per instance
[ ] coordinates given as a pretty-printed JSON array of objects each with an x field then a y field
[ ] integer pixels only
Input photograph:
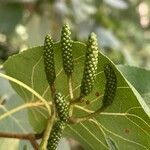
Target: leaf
[
  {"x": 125, "y": 121},
  {"x": 139, "y": 78},
  {"x": 5, "y": 142},
  {"x": 14, "y": 123},
  {"x": 111, "y": 144},
  {"x": 63, "y": 143},
  {"x": 17, "y": 122}
]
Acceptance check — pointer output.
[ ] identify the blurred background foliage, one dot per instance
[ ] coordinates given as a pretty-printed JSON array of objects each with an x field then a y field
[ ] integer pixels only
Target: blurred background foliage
[{"x": 122, "y": 26}]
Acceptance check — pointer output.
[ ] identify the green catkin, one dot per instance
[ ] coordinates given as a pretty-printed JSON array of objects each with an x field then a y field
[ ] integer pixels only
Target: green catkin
[
  {"x": 90, "y": 67},
  {"x": 110, "y": 87},
  {"x": 55, "y": 135},
  {"x": 66, "y": 46},
  {"x": 62, "y": 107},
  {"x": 49, "y": 60}
]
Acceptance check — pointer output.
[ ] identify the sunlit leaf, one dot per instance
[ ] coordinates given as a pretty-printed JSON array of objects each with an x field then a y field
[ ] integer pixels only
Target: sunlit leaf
[
  {"x": 125, "y": 121},
  {"x": 139, "y": 78},
  {"x": 17, "y": 123}
]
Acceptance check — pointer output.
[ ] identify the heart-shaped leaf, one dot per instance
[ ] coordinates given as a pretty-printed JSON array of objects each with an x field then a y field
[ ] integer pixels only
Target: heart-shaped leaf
[{"x": 125, "y": 122}]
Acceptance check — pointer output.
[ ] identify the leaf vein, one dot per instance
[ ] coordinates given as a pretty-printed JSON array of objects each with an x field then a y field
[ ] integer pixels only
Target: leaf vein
[
  {"x": 32, "y": 75},
  {"x": 81, "y": 137}
]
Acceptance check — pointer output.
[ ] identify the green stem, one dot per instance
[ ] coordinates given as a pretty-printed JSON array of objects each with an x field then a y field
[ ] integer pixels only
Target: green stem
[
  {"x": 76, "y": 100},
  {"x": 43, "y": 145},
  {"x": 53, "y": 90},
  {"x": 70, "y": 93},
  {"x": 70, "y": 87}
]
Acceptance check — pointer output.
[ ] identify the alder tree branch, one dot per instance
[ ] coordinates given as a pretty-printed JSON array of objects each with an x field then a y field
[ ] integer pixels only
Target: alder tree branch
[{"x": 30, "y": 137}]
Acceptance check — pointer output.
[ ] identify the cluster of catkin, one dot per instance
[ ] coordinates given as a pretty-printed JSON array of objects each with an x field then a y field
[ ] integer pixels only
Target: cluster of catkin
[{"x": 87, "y": 83}]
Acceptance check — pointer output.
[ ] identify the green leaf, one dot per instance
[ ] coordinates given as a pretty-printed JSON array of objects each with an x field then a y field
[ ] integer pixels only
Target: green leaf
[
  {"x": 111, "y": 144},
  {"x": 4, "y": 143},
  {"x": 139, "y": 78},
  {"x": 8, "y": 124},
  {"x": 17, "y": 123},
  {"x": 125, "y": 121}
]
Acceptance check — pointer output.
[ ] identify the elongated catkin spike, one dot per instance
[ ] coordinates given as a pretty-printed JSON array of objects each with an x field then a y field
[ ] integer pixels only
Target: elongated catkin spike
[
  {"x": 62, "y": 107},
  {"x": 49, "y": 59},
  {"x": 66, "y": 46},
  {"x": 55, "y": 135},
  {"x": 110, "y": 87},
  {"x": 90, "y": 67}
]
